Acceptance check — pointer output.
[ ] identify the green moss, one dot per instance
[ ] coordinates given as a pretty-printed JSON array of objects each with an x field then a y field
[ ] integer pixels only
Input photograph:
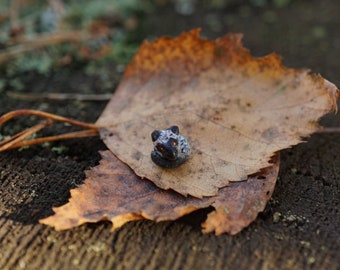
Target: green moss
[{"x": 122, "y": 40}]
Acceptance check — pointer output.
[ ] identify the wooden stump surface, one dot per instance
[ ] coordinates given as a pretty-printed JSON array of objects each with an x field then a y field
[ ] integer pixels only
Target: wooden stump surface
[{"x": 300, "y": 228}]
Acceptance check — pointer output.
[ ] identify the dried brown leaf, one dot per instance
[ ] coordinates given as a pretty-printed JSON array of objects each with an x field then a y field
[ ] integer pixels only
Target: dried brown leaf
[
  {"x": 113, "y": 192},
  {"x": 236, "y": 110},
  {"x": 238, "y": 204}
]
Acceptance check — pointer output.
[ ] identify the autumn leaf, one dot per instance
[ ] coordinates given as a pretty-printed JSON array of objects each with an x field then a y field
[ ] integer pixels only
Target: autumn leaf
[
  {"x": 113, "y": 192},
  {"x": 237, "y": 205},
  {"x": 235, "y": 110}
]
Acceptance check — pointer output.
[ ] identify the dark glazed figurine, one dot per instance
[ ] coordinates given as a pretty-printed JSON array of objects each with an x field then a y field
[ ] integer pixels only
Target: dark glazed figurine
[{"x": 171, "y": 149}]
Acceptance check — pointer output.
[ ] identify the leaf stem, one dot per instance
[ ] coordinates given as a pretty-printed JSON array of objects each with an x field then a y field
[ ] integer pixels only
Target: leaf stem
[
  {"x": 8, "y": 116},
  {"x": 66, "y": 136},
  {"x": 19, "y": 139}
]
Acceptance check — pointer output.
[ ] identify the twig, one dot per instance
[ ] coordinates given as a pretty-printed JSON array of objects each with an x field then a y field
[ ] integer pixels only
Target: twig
[
  {"x": 8, "y": 116},
  {"x": 40, "y": 41},
  {"x": 66, "y": 136},
  {"x": 60, "y": 96},
  {"x": 329, "y": 130},
  {"x": 19, "y": 139}
]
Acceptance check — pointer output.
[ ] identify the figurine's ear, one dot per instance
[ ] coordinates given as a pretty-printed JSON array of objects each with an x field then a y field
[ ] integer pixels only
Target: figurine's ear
[
  {"x": 174, "y": 129},
  {"x": 155, "y": 135}
]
